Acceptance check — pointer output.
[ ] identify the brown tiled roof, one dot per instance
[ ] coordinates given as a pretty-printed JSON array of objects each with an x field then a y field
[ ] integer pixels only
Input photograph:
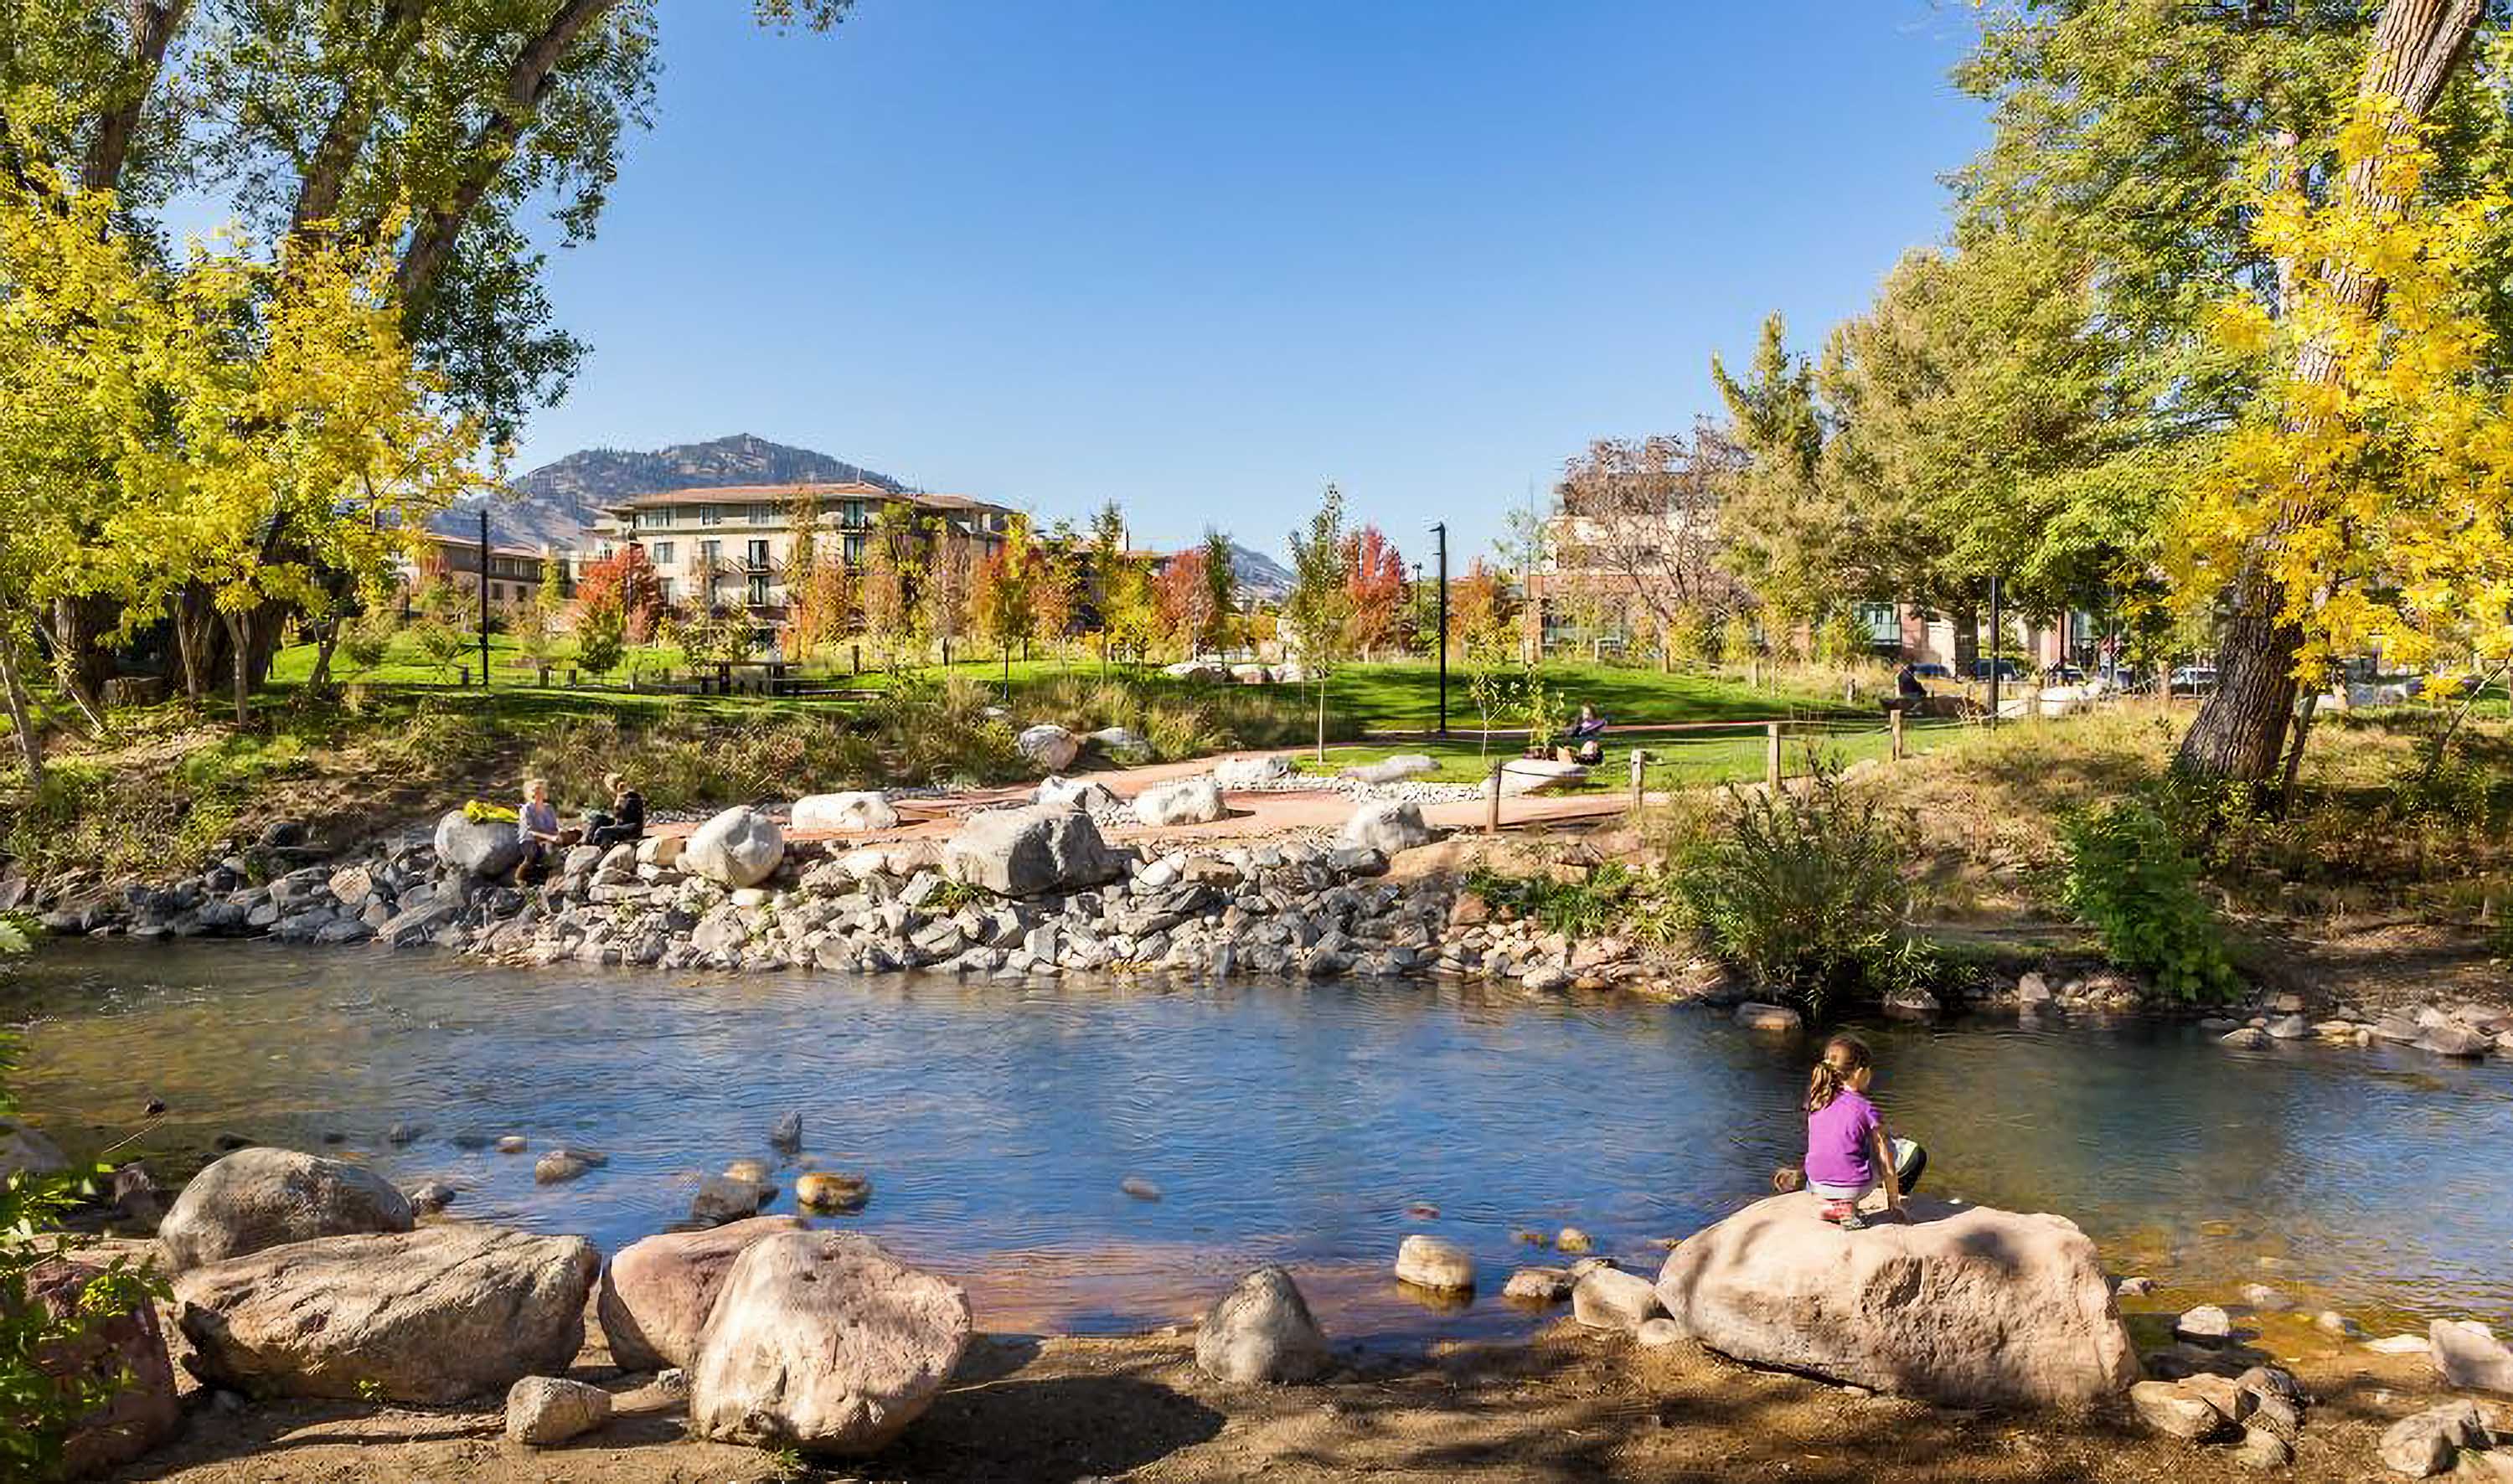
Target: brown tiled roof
[{"x": 778, "y": 494}]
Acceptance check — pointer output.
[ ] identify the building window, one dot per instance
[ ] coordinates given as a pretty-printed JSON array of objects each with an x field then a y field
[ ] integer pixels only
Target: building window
[
  {"x": 759, "y": 590},
  {"x": 854, "y": 550},
  {"x": 496, "y": 591},
  {"x": 851, "y": 515},
  {"x": 710, "y": 515},
  {"x": 763, "y": 514},
  {"x": 710, "y": 553},
  {"x": 650, "y": 519},
  {"x": 1883, "y": 625},
  {"x": 662, "y": 553},
  {"x": 758, "y": 561}
]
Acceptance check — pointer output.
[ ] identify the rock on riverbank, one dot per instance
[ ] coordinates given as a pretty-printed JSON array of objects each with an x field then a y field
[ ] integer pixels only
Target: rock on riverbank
[{"x": 1968, "y": 1306}]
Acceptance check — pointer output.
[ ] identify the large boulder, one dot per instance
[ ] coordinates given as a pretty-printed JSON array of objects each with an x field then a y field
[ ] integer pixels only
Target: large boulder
[
  {"x": 1049, "y": 745},
  {"x": 859, "y": 812},
  {"x": 1186, "y": 801},
  {"x": 262, "y": 1197},
  {"x": 1387, "y": 828},
  {"x": 1394, "y": 769},
  {"x": 1434, "y": 1263},
  {"x": 1084, "y": 794},
  {"x": 2469, "y": 1357},
  {"x": 1261, "y": 1330},
  {"x": 124, "y": 1351},
  {"x": 1122, "y": 743},
  {"x": 24, "y": 1151},
  {"x": 738, "y": 847},
  {"x": 545, "y": 1410},
  {"x": 431, "y": 1316},
  {"x": 1196, "y": 670},
  {"x": 1251, "y": 772},
  {"x": 1022, "y": 853},
  {"x": 823, "y": 1341},
  {"x": 657, "y": 1290},
  {"x": 1966, "y": 1305},
  {"x": 1535, "y": 775},
  {"x": 482, "y": 848}
]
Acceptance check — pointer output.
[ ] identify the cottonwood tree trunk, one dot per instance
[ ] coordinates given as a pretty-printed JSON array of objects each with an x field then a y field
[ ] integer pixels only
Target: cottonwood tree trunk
[
  {"x": 2241, "y": 729},
  {"x": 240, "y": 665},
  {"x": 30, "y": 745}
]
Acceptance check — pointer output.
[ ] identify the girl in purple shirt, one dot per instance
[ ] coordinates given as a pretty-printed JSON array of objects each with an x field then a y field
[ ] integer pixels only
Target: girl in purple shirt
[{"x": 1849, "y": 1154}]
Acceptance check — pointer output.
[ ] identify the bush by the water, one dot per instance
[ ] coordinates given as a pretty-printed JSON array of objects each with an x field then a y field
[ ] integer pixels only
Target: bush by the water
[
  {"x": 1801, "y": 889},
  {"x": 1611, "y": 898},
  {"x": 2129, "y": 879}
]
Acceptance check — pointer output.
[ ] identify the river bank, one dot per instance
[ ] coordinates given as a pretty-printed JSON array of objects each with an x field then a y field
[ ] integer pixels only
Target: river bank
[{"x": 1567, "y": 1404}]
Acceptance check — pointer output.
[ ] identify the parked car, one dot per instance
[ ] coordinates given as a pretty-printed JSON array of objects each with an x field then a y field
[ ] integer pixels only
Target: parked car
[
  {"x": 2193, "y": 679},
  {"x": 2064, "y": 674},
  {"x": 1932, "y": 672},
  {"x": 2008, "y": 669}
]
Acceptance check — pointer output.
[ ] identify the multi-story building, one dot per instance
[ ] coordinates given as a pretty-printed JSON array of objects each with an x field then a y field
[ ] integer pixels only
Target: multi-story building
[
  {"x": 514, "y": 571},
  {"x": 733, "y": 547}
]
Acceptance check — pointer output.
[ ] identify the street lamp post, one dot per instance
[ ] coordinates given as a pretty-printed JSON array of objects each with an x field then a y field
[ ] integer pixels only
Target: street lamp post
[
  {"x": 484, "y": 600},
  {"x": 1440, "y": 529}
]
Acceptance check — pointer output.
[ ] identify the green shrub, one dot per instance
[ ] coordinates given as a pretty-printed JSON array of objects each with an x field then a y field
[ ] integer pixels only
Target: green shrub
[
  {"x": 2130, "y": 880},
  {"x": 1802, "y": 889},
  {"x": 1611, "y": 898}
]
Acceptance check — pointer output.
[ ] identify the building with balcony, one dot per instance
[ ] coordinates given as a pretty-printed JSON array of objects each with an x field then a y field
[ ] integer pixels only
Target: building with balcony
[
  {"x": 515, "y": 574},
  {"x": 733, "y": 546}
]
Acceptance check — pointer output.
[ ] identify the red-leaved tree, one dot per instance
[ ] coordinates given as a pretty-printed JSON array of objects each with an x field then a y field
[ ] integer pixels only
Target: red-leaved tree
[
  {"x": 624, "y": 580},
  {"x": 1374, "y": 589}
]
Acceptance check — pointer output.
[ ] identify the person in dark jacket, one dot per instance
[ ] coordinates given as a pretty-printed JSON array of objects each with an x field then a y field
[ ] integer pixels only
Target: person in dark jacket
[{"x": 625, "y": 820}]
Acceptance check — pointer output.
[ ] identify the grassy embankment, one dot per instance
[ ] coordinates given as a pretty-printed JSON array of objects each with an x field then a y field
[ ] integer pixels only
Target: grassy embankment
[{"x": 170, "y": 782}]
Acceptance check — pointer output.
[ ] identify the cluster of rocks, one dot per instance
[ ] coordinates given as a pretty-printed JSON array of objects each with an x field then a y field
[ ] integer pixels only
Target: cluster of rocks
[
  {"x": 1032, "y": 890},
  {"x": 2467, "y": 1030},
  {"x": 295, "y": 1275},
  {"x": 2260, "y": 1411}
]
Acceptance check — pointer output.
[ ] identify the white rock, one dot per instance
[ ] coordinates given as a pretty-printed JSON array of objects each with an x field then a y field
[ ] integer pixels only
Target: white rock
[
  {"x": 2468, "y": 1355},
  {"x": 1185, "y": 801},
  {"x": 1608, "y": 1298},
  {"x": 1395, "y": 770},
  {"x": 542, "y": 1410},
  {"x": 738, "y": 847},
  {"x": 1084, "y": 794},
  {"x": 859, "y": 812},
  {"x": 1022, "y": 853},
  {"x": 1431, "y": 1262},
  {"x": 1251, "y": 772},
  {"x": 1535, "y": 775},
  {"x": 1388, "y": 827}
]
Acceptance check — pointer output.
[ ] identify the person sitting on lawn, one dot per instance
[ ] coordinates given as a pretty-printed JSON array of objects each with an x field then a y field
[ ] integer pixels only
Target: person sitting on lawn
[{"x": 624, "y": 822}]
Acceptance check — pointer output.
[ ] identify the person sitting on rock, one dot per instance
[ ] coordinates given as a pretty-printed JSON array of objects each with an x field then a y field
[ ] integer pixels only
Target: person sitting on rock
[
  {"x": 624, "y": 822},
  {"x": 536, "y": 824},
  {"x": 1849, "y": 1151}
]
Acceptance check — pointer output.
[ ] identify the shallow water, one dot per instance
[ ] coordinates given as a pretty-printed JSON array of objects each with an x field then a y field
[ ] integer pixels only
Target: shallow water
[{"x": 1288, "y": 1123}]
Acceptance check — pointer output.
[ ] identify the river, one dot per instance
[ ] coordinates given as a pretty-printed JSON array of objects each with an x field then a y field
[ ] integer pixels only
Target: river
[{"x": 1292, "y": 1123}]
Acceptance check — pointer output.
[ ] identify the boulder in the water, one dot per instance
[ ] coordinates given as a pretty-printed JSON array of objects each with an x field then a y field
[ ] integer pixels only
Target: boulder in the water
[
  {"x": 1434, "y": 1263},
  {"x": 1965, "y": 1305}
]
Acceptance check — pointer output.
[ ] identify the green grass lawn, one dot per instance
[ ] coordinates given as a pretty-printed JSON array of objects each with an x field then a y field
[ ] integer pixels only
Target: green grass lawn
[
  {"x": 1676, "y": 760},
  {"x": 1405, "y": 696}
]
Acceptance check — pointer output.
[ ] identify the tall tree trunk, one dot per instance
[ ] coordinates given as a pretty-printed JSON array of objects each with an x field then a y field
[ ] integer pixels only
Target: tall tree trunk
[
  {"x": 77, "y": 631},
  {"x": 30, "y": 744},
  {"x": 528, "y": 82},
  {"x": 240, "y": 666},
  {"x": 198, "y": 632},
  {"x": 1322, "y": 719},
  {"x": 2241, "y": 728},
  {"x": 152, "y": 24}
]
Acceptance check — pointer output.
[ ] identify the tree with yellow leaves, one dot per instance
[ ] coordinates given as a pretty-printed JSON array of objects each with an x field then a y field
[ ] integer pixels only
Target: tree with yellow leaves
[{"x": 2366, "y": 501}]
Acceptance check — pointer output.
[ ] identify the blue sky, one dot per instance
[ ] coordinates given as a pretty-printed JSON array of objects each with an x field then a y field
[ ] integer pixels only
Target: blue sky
[{"x": 1203, "y": 256}]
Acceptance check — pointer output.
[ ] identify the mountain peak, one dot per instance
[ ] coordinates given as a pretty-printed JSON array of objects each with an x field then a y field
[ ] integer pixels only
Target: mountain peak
[{"x": 557, "y": 504}]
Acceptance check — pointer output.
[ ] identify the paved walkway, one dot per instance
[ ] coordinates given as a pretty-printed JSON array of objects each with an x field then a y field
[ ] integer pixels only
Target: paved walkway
[{"x": 1255, "y": 814}]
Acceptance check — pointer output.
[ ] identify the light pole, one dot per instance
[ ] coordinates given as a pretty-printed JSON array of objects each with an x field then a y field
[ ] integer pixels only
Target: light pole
[
  {"x": 1440, "y": 529},
  {"x": 484, "y": 600}
]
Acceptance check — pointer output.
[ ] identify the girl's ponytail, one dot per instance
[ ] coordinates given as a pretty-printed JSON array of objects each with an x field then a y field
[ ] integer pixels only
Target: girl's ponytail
[
  {"x": 1823, "y": 1084},
  {"x": 1842, "y": 1055}
]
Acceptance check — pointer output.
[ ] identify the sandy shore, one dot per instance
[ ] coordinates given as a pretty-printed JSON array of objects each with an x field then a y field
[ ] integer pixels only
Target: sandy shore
[{"x": 1568, "y": 1405}]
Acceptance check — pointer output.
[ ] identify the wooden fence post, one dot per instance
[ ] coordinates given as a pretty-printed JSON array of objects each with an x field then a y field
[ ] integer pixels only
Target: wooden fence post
[
  {"x": 1896, "y": 715},
  {"x": 1640, "y": 765},
  {"x": 1491, "y": 820},
  {"x": 1771, "y": 755}
]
